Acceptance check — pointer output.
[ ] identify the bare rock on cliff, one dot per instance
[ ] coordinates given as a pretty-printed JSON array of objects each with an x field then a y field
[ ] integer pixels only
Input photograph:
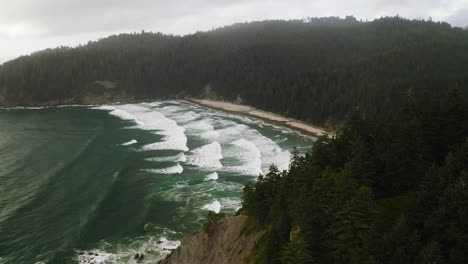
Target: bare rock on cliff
[{"x": 223, "y": 243}]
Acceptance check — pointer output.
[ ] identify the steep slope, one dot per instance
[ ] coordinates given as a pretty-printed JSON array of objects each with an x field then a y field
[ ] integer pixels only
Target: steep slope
[{"x": 223, "y": 243}]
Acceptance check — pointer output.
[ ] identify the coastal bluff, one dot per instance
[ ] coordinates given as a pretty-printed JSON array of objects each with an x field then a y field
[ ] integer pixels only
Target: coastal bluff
[{"x": 222, "y": 243}]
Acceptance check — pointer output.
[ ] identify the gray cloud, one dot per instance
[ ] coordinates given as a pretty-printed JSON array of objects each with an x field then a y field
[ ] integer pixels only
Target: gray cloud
[
  {"x": 55, "y": 17},
  {"x": 460, "y": 18},
  {"x": 26, "y": 25}
]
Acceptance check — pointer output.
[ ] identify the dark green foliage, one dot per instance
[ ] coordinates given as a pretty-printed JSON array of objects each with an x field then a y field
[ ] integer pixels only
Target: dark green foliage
[
  {"x": 391, "y": 190},
  {"x": 211, "y": 219},
  {"x": 316, "y": 70}
]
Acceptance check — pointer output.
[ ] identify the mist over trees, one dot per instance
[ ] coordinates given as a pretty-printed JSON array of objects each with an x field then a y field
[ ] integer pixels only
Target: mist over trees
[{"x": 317, "y": 69}]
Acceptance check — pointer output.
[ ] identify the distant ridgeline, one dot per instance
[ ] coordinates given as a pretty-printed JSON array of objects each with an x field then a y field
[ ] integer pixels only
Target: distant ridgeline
[{"x": 316, "y": 69}]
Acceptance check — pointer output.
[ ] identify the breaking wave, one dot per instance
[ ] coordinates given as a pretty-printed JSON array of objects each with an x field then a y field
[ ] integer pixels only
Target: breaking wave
[
  {"x": 176, "y": 158},
  {"x": 131, "y": 142},
  {"x": 207, "y": 156},
  {"x": 212, "y": 176},
  {"x": 214, "y": 206},
  {"x": 177, "y": 169}
]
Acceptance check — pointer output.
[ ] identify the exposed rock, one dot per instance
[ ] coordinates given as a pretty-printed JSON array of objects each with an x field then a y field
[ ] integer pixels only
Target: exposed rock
[{"x": 223, "y": 243}]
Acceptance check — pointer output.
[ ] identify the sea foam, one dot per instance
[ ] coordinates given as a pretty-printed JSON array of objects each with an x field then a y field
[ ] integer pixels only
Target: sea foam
[
  {"x": 214, "y": 206},
  {"x": 212, "y": 176},
  {"x": 231, "y": 204},
  {"x": 153, "y": 248},
  {"x": 250, "y": 155},
  {"x": 176, "y": 158},
  {"x": 207, "y": 156},
  {"x": 122, "y": 114},
  {"x": 131, "y": 142},
  {"x": 177, "y": 169},
  {"x": 149, "y": 119}
]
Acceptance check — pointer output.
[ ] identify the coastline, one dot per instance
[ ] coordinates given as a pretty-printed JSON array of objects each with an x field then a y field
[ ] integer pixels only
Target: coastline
[
  {"x": 267, "y": 117},
  {"x": 237, "y": 109}
]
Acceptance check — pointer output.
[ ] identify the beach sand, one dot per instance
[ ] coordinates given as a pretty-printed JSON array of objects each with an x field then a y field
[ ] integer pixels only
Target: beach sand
[{"x": 268, "y": 117}]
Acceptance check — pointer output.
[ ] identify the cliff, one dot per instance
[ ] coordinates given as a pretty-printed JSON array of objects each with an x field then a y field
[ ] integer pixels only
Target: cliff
[{"x": 222, "y": 243}]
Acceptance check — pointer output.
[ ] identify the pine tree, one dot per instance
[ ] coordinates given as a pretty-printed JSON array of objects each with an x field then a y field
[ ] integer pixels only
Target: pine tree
[{"x": 350, "y": 230}]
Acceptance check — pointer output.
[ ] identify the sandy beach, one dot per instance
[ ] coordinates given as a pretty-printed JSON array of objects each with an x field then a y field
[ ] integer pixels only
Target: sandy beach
[{"x": 268, "y": 117}]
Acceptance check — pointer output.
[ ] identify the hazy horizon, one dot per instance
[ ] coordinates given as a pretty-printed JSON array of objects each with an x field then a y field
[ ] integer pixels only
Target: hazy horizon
[
  {"x": 95, "y": 37},
  {"x": 27, "y": 26}
]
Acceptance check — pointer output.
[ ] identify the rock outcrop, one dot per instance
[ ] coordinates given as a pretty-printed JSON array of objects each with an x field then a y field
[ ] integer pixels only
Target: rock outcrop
[{"x": 222, "y": 243}]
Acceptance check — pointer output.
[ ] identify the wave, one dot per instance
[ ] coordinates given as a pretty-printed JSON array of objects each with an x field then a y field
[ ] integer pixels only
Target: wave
[
  {"x": 149, "y": 119},
  {"x": 231, "y": 204},
  {"x": 210, "y": 134},
  {"x": 176, "y": 158},
  {"x": 153, "y": 249},
  {"x": 182, "y": 117},
  {"x": 272, "y": 154},
  {"x": 214, "y": 206},
  {"x": 199, "y": 125},
  {"x": 131, "y": 142},
  {"x": 281, "y": 140},
  {"x": 122, "y": 114},
  {"x": 250, "y": 155},
  {"x": 228, "y": 130},
  {"x": 184, "y": 190},
  {"x": 207, "y": 156},
  {"x": 270, "y": 151},
  {"x": 212, "y": 176},
  {"x": 177, "y": 169}
]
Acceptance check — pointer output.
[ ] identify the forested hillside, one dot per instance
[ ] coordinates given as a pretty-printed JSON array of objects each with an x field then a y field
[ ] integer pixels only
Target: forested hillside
[
  {"x": 390, "y": 190},
  {"x": 317, "y": 69}
]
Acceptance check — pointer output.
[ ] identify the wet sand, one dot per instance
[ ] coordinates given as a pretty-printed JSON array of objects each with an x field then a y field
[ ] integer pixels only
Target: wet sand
[{"x": 268, "y": 117}]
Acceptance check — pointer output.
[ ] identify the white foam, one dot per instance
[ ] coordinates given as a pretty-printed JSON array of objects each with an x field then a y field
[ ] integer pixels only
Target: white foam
[
  {"x": 177, "y": 169},
  {"x": 199, "y": 125},
  {"x": 169, "y": 244},
  {"x": 183, "y": 192},
  {"x": 104, "y": 107},
  {"x": 207, "y": 156},
  {"x": 250, "y": 155},
  {"x": 231, "y": 204},
  {"x": 281, "y": 140},
  {"x": 270, "y": 151},
  {"x": 212, "y": 176},
  {"x": 122, "y": 114},
  {"x": 214, "y": 206},
  {"x": 210, "y": 134},
  {"x": 94, "y": 256},
  {"x": 176, "y": 158},
  {"x": 149, "y": 119},
  {"x": 131, "y": 142},
  {"x": 272, "y": 154},
  {"x": 183, "y": 117},
  {"x": 154, "y": 249}
]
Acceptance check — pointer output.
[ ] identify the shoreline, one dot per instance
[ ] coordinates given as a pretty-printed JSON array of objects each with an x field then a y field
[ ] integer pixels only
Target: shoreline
[
  {"x": 237, "y": 109},
  {"x": 267, "y": 117}
]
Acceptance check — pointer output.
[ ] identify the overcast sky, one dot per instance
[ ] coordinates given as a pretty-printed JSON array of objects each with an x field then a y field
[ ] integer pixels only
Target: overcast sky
[{"x": 30, "y": 25}]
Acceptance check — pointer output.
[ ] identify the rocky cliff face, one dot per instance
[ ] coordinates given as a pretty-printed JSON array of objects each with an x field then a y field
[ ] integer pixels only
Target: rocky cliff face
[{"x": 223, "y": 243}]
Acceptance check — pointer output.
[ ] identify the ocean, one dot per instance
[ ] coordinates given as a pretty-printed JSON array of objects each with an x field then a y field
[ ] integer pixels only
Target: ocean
[{"x": 99, "y": 184}]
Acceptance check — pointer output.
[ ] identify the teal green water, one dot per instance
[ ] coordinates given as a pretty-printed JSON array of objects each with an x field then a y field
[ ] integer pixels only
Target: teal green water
[{"x": 84, "y": 184}]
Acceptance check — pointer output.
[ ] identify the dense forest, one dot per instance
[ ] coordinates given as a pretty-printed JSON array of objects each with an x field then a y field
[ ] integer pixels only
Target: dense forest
[
  {"x": 316, "y": 69},
  {"x": 391, "y": 190}
]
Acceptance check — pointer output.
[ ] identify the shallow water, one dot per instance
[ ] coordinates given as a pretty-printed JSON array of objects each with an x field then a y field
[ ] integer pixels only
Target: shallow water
[{"x": 101, "y": 184}]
